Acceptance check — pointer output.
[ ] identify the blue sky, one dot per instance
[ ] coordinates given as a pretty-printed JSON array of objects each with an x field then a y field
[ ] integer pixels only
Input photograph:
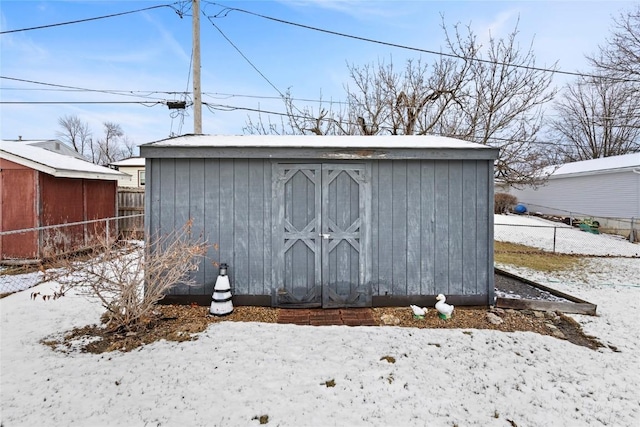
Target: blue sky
[{"x": 147, "y": 55}]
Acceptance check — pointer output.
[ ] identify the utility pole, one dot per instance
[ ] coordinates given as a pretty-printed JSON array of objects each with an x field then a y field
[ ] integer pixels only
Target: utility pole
[{"x": 197, "y": 95}]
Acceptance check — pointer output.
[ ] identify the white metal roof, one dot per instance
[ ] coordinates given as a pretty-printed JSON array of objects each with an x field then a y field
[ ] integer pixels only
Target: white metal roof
[
  {"x": 312, "y": 141},
  {"x": 54, "y": 164},
  {"x": 132, "y": 162},
  {"x": 57, "y": 146},
  {"x": 596, "y": 166}
]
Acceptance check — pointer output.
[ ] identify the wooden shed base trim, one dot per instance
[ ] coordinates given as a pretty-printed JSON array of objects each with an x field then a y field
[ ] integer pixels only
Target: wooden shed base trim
[
  {"x": 571, "y": 305},
  {"x": 205, "y": 300}
]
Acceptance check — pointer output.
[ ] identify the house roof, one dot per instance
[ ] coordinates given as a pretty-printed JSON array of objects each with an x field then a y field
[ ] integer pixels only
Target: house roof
[
  {"x": 57, "y": 146},
  {"x": 54, "y": 164},
  {"x": 626, "y": 162},
  {"x": 130, "y": 162},
  {"x": 328, "y": 146}
]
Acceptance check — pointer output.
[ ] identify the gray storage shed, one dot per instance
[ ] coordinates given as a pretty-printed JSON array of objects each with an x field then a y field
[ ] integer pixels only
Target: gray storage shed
[{"x": 329, "y": 221}]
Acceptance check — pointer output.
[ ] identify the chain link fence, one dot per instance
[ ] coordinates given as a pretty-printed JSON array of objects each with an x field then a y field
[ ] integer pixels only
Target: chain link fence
[
  {"x": 625, "y": 227},
  {"x": 563, "y": 239},
  {"x": 17, "y": 274},
  {"x": 26, "y": 254}
]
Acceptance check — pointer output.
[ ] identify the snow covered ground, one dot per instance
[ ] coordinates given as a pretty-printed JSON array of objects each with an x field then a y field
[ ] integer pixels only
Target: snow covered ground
[
  {"x": 236, "y": 372},
  {"x": 539, "y": 233}
]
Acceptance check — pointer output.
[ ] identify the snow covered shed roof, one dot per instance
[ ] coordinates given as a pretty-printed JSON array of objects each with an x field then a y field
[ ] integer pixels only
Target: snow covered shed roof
[
  {"x": 54, "y": 164},
  {"x": 326, "y": 147},
  {"x": 623, "y": 163}
]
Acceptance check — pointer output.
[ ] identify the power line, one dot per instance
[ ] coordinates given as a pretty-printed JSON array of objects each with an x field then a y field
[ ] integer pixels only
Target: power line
[
  {"x": 225, "y": 11},
  {"x": 214, "y": 95},
  {"x": 94, "y": 19},
  {"x": 245, "y": 57},
  {"x": 217, "y": 95},
  {"x": 75, "y": 88},
  {"x": 185, "y": 94},
  {"x": 250, "y": 63},
  {"x": 113, "y": 91},
  {"x": 145, "y": 103}
]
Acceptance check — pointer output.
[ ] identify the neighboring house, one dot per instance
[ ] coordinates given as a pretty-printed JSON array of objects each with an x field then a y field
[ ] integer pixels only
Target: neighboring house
[
  {"x": 40, "y": 188},
  {"x": 330, "y": 221},
  {"x": 53, "y": 145},
  {"x": 606, "y": 188},
  {"x": 56, "y": 146},
  {"x": 134, "y": 167}
]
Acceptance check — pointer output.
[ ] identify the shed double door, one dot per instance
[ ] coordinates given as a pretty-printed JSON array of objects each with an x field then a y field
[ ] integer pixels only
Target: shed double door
[{"x": 321, "y": 235}]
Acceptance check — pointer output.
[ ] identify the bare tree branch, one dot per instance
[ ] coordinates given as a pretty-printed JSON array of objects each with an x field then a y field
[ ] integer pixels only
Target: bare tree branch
[
  {"x": 128, "y": 279},
  {"x": 75, "y": 133},
  {"x": 489, "y": 102},
  {"x": 597, "y": 118}
]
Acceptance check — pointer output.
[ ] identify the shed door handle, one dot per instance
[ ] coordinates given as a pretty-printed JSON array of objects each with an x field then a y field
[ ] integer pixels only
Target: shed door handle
[{"x": 324, "y": 235}]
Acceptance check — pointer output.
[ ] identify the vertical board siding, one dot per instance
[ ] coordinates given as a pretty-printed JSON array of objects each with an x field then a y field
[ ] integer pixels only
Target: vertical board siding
[
  {"x": 212, "y": 223},
  {"x": 485, "y": 239},
  {"x": 166, "y": 198},
  {"x": 456, "y": 235},
  {"x": 267, "y": 248},
  {"x": 131, "y": 201},
  {"x": 431, "y": 227},
  {"x": 399, "y": 226},
  {"x": 427, "y": 227},
  {"x": 152, "y": 200},
  {"x": 256, "y": 243},
  {"x": 469, "y": 227},
  {"x": 166, "y": 205},
  {"x": 227, "y": 203},
  {"x": 430, "y": 223},
  {"x": 374, "y": 255},
  {"x": 385, "y": 233},
  {"x": 182, "y": 204},
  {"x": 196, "y": 215},
  {"x": 414, "y": 229},
  {"x": 241, "y": 223},
  {"x": 227, "y": 225},
  {"x": 441, "y": 236}
]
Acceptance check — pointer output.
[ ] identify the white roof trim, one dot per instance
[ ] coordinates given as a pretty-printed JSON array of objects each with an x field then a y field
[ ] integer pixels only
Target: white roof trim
[{"x": 613, "y": 164}]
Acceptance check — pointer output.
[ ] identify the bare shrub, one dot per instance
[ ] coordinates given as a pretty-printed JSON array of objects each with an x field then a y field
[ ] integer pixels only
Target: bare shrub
[
  {"x": 128, "y": 279},
  {"x": 504, "y": 202}
]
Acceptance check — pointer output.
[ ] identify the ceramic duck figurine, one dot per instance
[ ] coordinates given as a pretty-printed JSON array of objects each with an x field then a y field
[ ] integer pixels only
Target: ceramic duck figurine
[
  {"x": 444, "y": 309},
  {"x": 418, "y": 312}
]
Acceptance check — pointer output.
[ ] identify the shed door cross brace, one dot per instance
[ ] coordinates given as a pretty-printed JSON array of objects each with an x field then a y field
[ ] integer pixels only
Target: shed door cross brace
[{"x": 320, "y": 228}]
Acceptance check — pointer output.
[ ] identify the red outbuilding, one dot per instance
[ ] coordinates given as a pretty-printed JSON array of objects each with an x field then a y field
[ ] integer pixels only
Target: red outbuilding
[{"x": 41, "y": 188}]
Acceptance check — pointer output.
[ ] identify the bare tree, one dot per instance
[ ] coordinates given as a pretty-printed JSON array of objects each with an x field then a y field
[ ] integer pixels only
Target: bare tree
[
  {"x": 620, "y": 55},
  {"x": 113, "y": 146},
  {"x": 412, "y": 102},
  {"x": 75, "y": 133},
  {"x": 108, "y": 147},
  {"x": 598, "y": 115},
  {"x": 501, "y": 103},
  {"x": 597, "y": 118},
  {"x": 495, "y": 100}
]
